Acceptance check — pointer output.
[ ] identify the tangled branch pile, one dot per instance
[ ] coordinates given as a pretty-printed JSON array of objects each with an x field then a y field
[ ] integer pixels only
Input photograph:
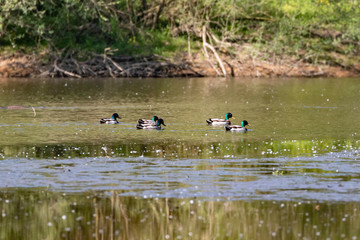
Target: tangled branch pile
[{"x": 106, "y": 66}]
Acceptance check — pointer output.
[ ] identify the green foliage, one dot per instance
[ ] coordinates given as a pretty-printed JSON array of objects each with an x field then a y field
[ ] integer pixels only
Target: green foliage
[{"x": 282, "y": 27}]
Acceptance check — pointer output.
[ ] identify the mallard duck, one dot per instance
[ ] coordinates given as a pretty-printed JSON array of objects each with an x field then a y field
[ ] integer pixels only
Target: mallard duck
[
  {"x": 219, "y": 121},
  {"x": 112, "y": 120},
  {"x": 146, "y": 121},
  {"x": 237, "y": 128},
  {"x": 150, "y": 126}
]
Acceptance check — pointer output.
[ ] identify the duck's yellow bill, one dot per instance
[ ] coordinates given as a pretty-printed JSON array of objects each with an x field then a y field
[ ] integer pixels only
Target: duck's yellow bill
[{"x": 233, "y": 117}]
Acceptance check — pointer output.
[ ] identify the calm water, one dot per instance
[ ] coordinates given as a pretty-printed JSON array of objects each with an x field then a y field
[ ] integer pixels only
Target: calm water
[{"x": 294, "y": 175}]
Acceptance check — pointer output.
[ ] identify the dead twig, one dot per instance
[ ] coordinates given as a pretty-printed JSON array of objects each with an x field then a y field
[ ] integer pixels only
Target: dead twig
[
  {"x": 76, "y": 64},
  {"x": 217, "y": 57},
  {"x": 206, "y": 45},
  {"x": 115, "y": 64},
  {"x": 64, "y": 71}
]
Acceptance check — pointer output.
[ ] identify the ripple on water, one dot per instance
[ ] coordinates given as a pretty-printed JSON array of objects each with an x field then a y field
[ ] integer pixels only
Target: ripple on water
[{"x": 332, "y": 176}]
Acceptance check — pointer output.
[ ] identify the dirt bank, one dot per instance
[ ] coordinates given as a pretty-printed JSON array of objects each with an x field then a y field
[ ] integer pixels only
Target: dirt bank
[{"x": 196, "y": 65}]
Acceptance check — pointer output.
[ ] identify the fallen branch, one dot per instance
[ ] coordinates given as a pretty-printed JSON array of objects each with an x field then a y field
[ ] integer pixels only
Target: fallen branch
[
  {"x": 217, "y": 57},
  {"x": 64, "y": 71},
  {"x": 114, "y": 63},
  {"x": 110, "y": 71},
  {"x": 206, "y": 45},
  {"x": 227, "y": 44},
  {"x": 101, "y": 65},
  {"x": 76, "y": 64}
]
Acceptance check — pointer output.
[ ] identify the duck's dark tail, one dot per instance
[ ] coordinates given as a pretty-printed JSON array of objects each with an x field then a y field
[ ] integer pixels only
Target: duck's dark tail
[
  {"x": 102, "y": 120},
  {"x": 209, "y": 121},
  {"x": 139, "y": 126},
  {"x": 227, "y": 128},
  {"x": 141, "y": 121}
]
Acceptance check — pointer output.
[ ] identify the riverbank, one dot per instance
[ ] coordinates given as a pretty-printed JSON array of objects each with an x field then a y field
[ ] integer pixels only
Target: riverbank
[
  {"x": 19, "y": 65},
  {"x": 289, "y": 38}
]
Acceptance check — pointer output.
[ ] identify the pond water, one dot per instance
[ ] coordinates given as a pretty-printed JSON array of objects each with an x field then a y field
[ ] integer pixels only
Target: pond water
[{"x": 294, "y": 175}]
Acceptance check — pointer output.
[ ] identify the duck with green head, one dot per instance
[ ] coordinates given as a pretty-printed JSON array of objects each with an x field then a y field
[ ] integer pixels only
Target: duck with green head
[
  {"x": 112, "y": 120},
  {"x": 219, "y": 121},
  {"x": 147, "y": 121},
  {"x": 159, "y": 122},
  {"x": 237, "y": 128}
]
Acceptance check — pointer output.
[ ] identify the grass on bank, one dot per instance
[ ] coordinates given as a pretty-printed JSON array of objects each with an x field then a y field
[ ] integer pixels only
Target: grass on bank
[{"x": 151, "y": 42}]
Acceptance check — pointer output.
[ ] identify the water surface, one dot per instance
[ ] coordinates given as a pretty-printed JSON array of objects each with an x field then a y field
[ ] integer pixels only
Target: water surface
[{"x": 302, "y": 147}]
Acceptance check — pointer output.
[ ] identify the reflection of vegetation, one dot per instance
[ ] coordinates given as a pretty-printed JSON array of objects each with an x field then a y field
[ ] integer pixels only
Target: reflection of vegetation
[
  {"x": 278, "y": 173},
  {"x": 176, "y": 150},
  {"x": 47, "y": 215}
]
